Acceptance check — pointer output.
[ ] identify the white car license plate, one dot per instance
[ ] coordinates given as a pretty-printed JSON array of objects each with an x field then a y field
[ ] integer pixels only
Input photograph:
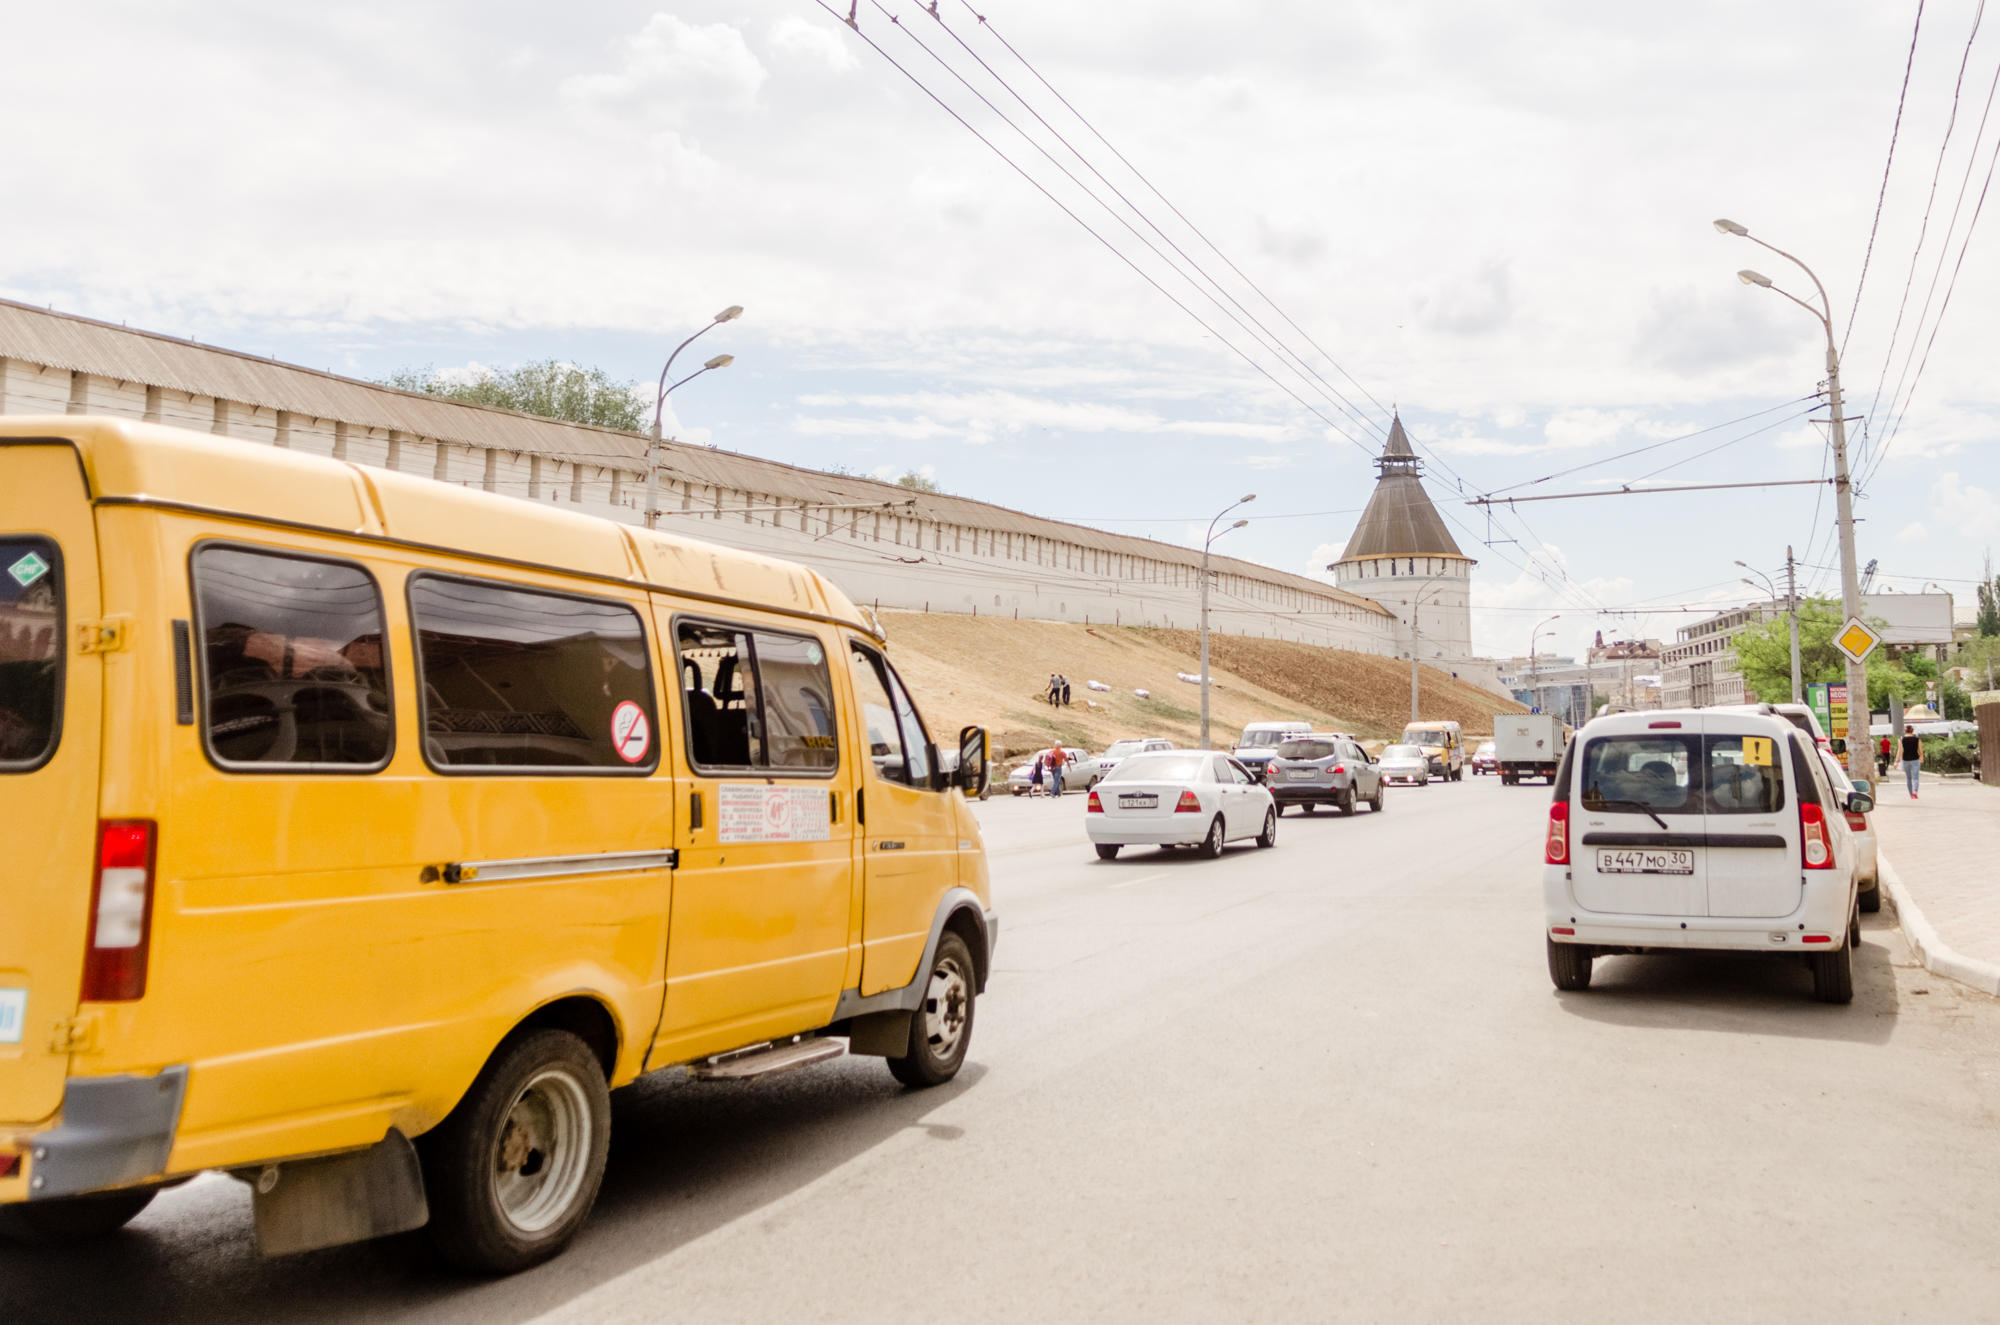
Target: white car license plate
[
  {"x": 1645, "y": 862},
  {"x": 1136, "y": 801}
]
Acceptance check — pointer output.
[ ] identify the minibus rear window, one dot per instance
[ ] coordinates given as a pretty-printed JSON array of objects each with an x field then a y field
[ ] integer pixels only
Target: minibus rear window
[
  {"x": 518, "y": 678},
  {"x": 31, "y": 652},
  {"x": 292, "y": 665}
]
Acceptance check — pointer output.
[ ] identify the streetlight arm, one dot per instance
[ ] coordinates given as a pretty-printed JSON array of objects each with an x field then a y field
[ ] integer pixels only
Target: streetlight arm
[
  {"x": 683, "y": 382},
  {"x": 1826, "y": 317},
  {"x": 660, "y": 401}
]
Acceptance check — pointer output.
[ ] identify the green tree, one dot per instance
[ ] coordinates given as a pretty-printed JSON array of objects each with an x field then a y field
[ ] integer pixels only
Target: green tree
[
  {"x": 548, "y": 388},
  {"x": 1764, "y": 650},
  {"x": 916, "y": 482}
]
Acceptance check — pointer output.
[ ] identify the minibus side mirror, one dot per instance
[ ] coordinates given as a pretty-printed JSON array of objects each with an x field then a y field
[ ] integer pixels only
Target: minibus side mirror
[
  {"x": 972, "y": 767},
  {"x": 1859, "y": 802}
]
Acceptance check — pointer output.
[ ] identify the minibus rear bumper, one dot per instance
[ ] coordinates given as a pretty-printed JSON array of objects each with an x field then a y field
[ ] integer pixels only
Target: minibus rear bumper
[{"x": 114, "y": 1131}]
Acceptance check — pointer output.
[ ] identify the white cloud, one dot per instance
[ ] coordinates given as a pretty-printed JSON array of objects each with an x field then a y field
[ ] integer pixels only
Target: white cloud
[
  {"x": 1586, "y": 427},
  {"x": 669, "y": 62},
  {"x": 1967, "y": 511},
  {"x": 1804, "y": 438},
  {"x": 1911, "y": 533},
  {"x": 796, "y": 36},
  {"x": 1320, "y": 559},
  {"x": 1264, "y": 461}
]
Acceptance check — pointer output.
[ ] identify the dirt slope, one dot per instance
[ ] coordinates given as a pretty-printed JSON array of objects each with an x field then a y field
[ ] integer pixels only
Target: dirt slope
[{"x": 994, "y": 672}]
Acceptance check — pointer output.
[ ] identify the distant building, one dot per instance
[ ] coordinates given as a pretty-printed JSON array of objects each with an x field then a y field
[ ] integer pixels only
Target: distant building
[{"x": 1698, "y": 670}]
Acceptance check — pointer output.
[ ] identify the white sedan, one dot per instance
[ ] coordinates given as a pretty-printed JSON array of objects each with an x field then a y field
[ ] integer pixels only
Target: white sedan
[{"x": 1179, "y": 798}]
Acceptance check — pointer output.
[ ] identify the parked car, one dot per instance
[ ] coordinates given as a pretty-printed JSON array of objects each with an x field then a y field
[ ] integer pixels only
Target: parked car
[
  {"x": 1079, "y": 772},
  {"x": 1486, "y": 759},
  {"x": 1698, "y": 829},
  {"x": 1259, "y": 739},
  {"x": 1405, "y": 763},
  {"x": 1129, "y": 745},
  {"x": 1323, "y": 769},
  {"x": 1179, "y": 798},
  {"x": 1866, "y": 869}
]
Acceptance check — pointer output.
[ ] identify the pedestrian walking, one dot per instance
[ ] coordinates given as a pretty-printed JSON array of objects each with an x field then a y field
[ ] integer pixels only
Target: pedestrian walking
[
  {"x": 1055, "y": 689},
  {"x": 1035, "y": 779},
  {"x": 1065, "y": 691},
  {"x": 1056, "y": 762},
  {"x": 1882, "y": 753},
  {"x": 1913, "y": 758}
]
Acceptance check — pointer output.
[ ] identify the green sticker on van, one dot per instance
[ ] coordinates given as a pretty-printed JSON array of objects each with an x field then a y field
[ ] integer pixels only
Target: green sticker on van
[{"x": 28, "y": 569}]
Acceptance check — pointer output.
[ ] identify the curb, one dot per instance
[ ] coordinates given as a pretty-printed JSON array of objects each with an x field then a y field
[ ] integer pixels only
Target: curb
[{"x": 1937, "y": 956}]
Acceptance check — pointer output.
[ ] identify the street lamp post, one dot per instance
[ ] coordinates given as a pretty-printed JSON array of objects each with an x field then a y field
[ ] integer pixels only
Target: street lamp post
[
  {"x": 729, "y": 314},
  {"x": 1534, "y": 672},
  {"x": 1858, "y": 765},
  {"x": 1791, "y": 610},
  {"x": 1209, "y": 542}
]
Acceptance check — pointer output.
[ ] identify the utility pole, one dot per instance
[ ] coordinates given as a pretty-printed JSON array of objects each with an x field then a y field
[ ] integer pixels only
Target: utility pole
[
  {"x": 1859, "y": 766},
  {"x": 1792, "y": 598}
]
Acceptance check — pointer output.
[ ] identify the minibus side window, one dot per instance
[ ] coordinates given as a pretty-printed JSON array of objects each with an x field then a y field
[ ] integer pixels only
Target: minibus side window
[
  {"x": 517, "y": 678},
  {"x": 31, "y": 652},
  {"x": 293, "y": 673},
  {"x": 896, "y": 739},
  {"x": 756, "y": 698}
]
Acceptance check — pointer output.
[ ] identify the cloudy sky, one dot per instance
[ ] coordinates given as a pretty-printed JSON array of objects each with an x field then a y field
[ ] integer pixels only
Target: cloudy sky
[{"x": 1496, "y": 219}]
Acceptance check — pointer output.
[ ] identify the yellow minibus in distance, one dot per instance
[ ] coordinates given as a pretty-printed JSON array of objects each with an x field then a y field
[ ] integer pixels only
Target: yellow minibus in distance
[{"x": 370, "y": 830}]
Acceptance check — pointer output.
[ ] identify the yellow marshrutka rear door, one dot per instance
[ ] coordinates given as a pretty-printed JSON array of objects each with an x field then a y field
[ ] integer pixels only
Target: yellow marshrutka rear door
[{"x": 50, "y": 716}]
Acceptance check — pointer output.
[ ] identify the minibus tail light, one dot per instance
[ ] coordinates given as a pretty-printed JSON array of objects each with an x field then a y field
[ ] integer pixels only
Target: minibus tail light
[
  {"x": 1812, "y": 830},
  {"x": 1189, "y": 803},
  {"x": 1558, "y": 848},
  {"x": 121, "y": 911}
]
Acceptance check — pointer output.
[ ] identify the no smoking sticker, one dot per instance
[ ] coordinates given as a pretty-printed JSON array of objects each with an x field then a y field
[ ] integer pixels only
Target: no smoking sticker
[{"x": 631, "y": 734}]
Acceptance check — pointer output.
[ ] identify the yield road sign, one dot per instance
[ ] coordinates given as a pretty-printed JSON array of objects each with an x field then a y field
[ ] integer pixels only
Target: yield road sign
[{"x": 1856, "y": 640}]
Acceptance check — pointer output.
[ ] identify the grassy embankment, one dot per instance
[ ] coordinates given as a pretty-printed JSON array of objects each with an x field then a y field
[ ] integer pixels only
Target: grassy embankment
[{"x": 994, "y": 670}]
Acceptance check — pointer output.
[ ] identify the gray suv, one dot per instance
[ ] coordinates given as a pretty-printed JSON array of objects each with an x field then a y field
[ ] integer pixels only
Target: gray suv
[{"x": 1323, "y": 770}]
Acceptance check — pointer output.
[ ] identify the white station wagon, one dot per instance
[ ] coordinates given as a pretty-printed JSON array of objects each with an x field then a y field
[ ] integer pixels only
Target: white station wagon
[{"x": 1700, "y": 829}]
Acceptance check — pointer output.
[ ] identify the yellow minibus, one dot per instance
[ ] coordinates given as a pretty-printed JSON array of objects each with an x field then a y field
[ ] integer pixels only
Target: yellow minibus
[{"x": 371, "y": 830}]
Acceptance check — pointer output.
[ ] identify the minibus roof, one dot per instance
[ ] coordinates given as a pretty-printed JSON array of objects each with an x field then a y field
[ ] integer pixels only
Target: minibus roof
[{"x": 127, "y": 463}]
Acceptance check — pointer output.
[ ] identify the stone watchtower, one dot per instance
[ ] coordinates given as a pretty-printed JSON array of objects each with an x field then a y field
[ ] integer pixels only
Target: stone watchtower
[{"x": 1402, "y": 556}]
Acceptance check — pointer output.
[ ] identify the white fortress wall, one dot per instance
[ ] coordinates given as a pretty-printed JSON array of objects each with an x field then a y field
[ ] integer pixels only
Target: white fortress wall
[{"x": 880, "y": 543}]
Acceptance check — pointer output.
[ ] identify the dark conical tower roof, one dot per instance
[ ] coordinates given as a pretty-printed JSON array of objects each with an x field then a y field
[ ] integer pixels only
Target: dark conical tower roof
[{"x": 1400, "y": 520}]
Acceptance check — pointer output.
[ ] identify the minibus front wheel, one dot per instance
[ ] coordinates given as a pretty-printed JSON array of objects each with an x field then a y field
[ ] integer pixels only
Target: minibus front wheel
[{"x": 513, "y": 1171}]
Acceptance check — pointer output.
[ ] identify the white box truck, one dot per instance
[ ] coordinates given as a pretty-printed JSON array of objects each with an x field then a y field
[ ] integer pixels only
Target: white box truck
[{"x": 1528, "y": 745}]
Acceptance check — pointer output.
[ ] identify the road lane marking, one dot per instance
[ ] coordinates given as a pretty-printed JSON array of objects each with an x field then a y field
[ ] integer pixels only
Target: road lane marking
[{"x": 1144, "y": 878}]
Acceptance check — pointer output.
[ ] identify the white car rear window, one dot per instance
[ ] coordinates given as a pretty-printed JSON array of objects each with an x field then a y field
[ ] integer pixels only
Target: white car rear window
[{"x": 1159, "y": 767}]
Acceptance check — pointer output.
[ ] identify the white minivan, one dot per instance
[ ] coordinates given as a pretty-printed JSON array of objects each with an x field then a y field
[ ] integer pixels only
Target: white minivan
[{"x": 1700, "y": 829}]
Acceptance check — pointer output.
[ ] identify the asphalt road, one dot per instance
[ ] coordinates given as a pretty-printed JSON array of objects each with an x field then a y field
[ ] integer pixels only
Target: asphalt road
[{"x": 1325, "y": 1081}]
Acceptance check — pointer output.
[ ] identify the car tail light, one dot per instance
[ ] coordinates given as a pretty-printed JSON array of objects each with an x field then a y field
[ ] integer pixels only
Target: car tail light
[
  {"x": 1812, "y": 829},
  {"x": 1096, "y": 806},
  {"x": 1562, "y": 929},
  {"x": 1189, "y": 803},
  {"x": 1340, "y": 768},
  {"x": 1858, "y": 822},
  {"x": 1817, "y": 938},
  {"x": 1558, "y": 847},
  {"x": 121, "y": 911}
]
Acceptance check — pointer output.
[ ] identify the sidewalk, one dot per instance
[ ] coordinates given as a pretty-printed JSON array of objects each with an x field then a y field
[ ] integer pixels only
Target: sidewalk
[{"x": 1941, "y": 863}]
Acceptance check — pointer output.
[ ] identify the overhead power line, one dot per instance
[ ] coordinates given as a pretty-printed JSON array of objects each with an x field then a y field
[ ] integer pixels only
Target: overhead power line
[{"x": 1895, "y": 131}]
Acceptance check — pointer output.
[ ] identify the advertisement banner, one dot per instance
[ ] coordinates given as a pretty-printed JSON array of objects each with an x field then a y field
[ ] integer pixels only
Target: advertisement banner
[
  {"x": 1836, "y": 702},
  {"x": 1816, "y": 698}
]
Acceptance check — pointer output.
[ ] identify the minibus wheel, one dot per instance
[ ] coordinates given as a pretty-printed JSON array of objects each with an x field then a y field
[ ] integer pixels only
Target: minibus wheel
[
  {"x": 513, "y": 1171},
  {"x": 69, "y": 1219},
  {"x": 941, "y": 1030}
]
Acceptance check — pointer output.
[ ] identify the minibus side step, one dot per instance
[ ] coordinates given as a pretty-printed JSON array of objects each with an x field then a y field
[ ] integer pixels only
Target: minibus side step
[{"x": 761, "y": 1060}]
